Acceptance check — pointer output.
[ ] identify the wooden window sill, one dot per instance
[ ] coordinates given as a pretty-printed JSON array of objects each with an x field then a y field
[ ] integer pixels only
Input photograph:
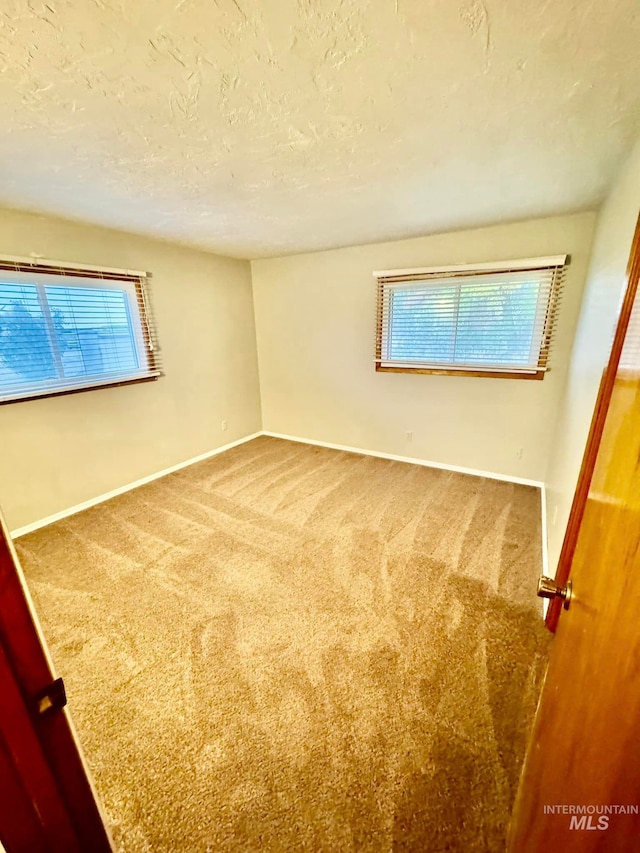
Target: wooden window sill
[
  {"x": 64, "y": 391},
  {"x": 487, "y": 374}
]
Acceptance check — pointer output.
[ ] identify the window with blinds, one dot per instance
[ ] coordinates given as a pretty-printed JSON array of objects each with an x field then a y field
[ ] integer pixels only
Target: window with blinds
[
  {"x": 485, "y": 319},
  {"x": 67, "y": 328},
  {"x": 629, "y": 365}
]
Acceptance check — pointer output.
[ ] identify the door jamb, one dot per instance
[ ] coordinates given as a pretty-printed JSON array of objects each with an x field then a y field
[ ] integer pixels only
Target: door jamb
[{"x": 23, "y": 642}]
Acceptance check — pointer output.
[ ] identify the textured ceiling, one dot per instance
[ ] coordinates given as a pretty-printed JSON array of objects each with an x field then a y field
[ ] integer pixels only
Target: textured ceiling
[{"x": 261, "y": 128}]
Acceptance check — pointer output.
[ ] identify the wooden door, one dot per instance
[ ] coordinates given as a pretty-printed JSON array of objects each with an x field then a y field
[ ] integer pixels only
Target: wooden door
[
  {"x": 47, "y": 803},
  {"x": 580, "y": 787}
]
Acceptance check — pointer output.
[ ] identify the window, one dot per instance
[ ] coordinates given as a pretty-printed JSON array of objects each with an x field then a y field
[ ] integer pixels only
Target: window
[
  {"x": 485, "y": 320},
  {"x": 66, "y": 328},
  {"x": 629, "y": 364}
]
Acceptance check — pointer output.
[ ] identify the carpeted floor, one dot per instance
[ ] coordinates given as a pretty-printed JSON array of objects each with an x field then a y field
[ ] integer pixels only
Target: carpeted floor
[{"x": 289, "y": 648}]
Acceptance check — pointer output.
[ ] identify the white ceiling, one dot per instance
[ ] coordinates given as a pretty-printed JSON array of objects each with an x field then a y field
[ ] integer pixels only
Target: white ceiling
[{"x": 262, "y": 128}]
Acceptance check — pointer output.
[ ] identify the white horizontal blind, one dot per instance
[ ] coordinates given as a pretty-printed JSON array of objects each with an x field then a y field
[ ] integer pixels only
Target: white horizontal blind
[
  {"x": 66, "y": 329},
  {"x": 629, "y": 364},
  {"x": 497, "y": 321}
]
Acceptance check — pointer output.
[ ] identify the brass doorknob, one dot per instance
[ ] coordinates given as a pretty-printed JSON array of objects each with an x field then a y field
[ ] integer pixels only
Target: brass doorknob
[{"x": 548, "y": 588}]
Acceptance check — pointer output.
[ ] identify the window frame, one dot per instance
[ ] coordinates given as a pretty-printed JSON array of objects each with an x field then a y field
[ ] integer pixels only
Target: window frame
[
  {"x": 387, "y": 279},
  {"x": 43, "y": 274}
]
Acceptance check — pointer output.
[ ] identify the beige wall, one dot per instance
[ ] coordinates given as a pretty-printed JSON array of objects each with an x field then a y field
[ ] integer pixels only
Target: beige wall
[
  {"x": 315, "y": 316},
  {"x": 605, "y": 282},
  {"x": 57, "y": 452}
]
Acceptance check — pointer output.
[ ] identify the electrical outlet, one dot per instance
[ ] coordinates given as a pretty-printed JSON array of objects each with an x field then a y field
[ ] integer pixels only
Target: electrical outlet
[
  {"x": 555, "y": 516},
  {"x": 409, "y": 436},
  {"x": 224, "y": 425},
  {"x": 519, "y": 453}
]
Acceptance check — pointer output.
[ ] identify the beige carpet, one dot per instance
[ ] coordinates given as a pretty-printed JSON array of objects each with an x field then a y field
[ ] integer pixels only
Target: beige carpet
[{"x": 288, "y": 648}]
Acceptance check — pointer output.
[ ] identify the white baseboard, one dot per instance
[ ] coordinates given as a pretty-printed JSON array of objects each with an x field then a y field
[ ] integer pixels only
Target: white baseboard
[
  {"x": 545, "y": 544},
  {"x": 522, "y": 481},
  {"x": 72, "y": 510},
  {"x": 545, "y": 541}
]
